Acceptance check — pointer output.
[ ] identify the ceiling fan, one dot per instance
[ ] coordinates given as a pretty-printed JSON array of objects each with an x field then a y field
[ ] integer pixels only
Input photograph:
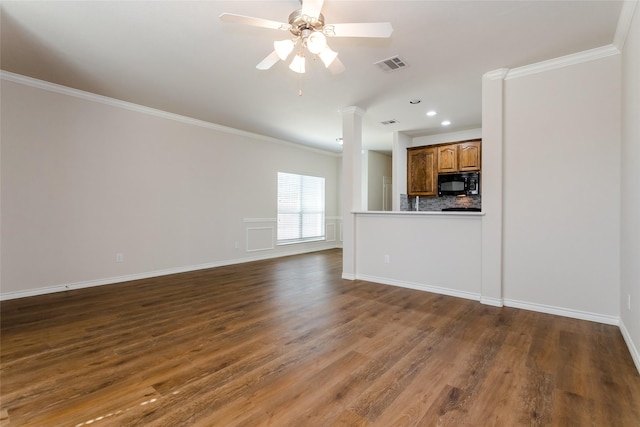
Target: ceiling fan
[{"x": 307, "y": 25}]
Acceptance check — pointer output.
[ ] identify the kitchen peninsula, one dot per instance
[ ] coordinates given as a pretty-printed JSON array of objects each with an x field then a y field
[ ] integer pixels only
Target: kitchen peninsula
[
  {"x": 432, "y": 251},
  {"x": 425, "y": 247}
]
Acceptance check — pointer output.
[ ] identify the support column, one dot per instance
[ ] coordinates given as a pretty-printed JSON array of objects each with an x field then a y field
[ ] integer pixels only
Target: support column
[
  {"x": 492, "y": 169},
  {"x": 351, "y": 185},
  {"x": 399, "y": 167}
]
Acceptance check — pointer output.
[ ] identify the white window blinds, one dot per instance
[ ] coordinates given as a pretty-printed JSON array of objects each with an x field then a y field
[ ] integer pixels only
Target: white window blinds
[{"x": 300, "y": 208}]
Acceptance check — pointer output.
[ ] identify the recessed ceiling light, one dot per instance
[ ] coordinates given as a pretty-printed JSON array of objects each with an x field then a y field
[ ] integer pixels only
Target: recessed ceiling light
[
  {"x": 415, "y": 101},
  {"x": 445, "y": 123},
  {"x": 431, "y": 113}
]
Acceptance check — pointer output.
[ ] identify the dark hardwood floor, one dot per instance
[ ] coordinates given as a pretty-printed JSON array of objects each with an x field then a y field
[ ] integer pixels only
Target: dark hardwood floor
[{"x": 287, "y": 342}]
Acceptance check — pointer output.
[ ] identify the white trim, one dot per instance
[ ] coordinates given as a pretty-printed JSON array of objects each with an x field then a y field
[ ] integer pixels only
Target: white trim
[
  {"x": 88, "y": 96},
  {"x": 563, "y": 61},
  {"x": 498, "y": 74},
  {"x": 420, "y": 287},
  {"x": 259, "y": 220},
  {"x": 565, "y": 312},
  {"x": 352, "y": 110},
  {"x": 624, "y": 23},
  {"x": 296, "y": 250},
  {"x": 271, "y": 239},
  {"x": 330, "y": 236},
  {"x": 635, "y": 354},
  {"x": 348, "y": 276},
  {"x": 496, "y": 302},
  {"x": 558, "y": 311}
]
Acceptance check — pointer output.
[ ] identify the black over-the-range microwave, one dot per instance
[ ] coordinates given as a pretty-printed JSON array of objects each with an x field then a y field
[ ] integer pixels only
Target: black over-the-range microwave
[{"x": 459, "y": 184}]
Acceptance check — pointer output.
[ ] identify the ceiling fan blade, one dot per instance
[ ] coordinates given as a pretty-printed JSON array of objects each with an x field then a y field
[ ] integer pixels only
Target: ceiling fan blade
[
  {"x": 269, "y": 61},
  {"x": 336, "y": 66},
  {"x": 312, "y": 8},
  {"x": 256, "y": 22},
  {"x": 369, "y": 29}
]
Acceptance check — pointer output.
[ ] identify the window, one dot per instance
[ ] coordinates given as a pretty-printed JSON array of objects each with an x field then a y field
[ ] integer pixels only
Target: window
[{"x": 300, "y": 208}]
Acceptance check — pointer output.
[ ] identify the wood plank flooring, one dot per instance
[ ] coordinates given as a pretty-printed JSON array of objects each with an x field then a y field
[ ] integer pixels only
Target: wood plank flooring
[{"x": 287, "y": 342}]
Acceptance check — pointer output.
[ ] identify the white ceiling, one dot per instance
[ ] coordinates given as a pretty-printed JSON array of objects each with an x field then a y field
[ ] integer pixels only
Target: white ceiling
[{"x": 177, "y": 56}]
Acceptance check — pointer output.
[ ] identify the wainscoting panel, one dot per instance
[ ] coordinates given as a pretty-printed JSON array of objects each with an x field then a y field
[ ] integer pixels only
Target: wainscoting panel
[
  {"x": 260, "y": 238},
  {"x": 330, "y": 232}
]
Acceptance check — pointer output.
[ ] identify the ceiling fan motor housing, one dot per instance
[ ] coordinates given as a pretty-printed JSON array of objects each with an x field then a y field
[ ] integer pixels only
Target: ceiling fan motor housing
[{"x": 300, "y": 22}]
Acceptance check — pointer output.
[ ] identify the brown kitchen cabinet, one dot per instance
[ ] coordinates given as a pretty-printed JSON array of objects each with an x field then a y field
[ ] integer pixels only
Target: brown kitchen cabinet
[
  {"x": 422, "y": 171},
  {"x": 469, "y": 156},
  {"x": 426, "y": 162},
  {"x": 448, "y": 158}
]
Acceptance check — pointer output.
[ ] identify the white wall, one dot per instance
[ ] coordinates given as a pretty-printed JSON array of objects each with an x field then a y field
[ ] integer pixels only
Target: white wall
[
  {"x": 561, "y": 224},
  {"x": 379, "y": 165},
  {"x": 83, "y": 180},
  {"x": 630, "y": 206}
]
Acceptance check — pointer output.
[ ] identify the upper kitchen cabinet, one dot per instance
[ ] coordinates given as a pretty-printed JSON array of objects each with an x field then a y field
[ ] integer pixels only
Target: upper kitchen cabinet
[
  {"x": 459, "y": 157},
  {"x": 422, "y": 171},
  {"x": 448, "y": 158},
  {"x": 426, "y": 162},
  {"x": 469, "y": 156}
]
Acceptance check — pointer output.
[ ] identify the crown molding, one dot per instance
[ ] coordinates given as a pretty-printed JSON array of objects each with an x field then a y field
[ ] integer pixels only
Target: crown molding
[
  {"x": 352, "y": 110},
  {"x": 563, "y": 61},
  {"x": 624, "y": 23},
  {"x": 89, "y": 96},
  {"x": 498, "y": 74}
]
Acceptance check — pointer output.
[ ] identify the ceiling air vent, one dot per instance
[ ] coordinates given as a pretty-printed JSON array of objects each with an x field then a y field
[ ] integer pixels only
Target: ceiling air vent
[
  {"x": 389, "y": 122},
  {"x": 391, "y": 64}
]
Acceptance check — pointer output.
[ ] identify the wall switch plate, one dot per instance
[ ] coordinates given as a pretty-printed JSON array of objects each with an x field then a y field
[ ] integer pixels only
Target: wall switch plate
[
  {"x": 119, "y": 257},
  {"x": 387, "y": 259},
  {"x": 629, "y": 301}
]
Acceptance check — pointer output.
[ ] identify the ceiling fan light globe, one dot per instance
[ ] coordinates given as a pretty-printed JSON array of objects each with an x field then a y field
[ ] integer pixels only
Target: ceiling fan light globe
[
  {"x": 297, "y": 64},
  {"x": 327, "y": 56},
  {"x": 316, "y": 42},
  {"x": 283, "y": 48}
]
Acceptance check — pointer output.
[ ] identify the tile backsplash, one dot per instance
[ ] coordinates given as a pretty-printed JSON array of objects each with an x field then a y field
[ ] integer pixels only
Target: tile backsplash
[{"x": 438, "y": 203}]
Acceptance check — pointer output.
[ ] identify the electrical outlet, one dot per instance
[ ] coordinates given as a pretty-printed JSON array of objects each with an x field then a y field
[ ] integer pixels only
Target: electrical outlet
[
  {"x": 237, "y": 245},
  {"x": 119, "y": 257},
  {"x": 387, "y": 259},
  {"x": 629, "y": 301}
]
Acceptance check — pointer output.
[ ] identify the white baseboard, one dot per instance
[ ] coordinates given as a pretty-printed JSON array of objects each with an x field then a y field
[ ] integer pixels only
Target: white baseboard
[
  {"x": 575, "y": 314},
  {"x": 610, "y": 320},
  {"x": 496, "y": 302},
  {"x": 558, "y": 311},
  {"x": 291, "y": 250},
  {"x": 566, "y": 312},
  {"x": 420, "y": 287},
  {"x": 633, "y": 349}
]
